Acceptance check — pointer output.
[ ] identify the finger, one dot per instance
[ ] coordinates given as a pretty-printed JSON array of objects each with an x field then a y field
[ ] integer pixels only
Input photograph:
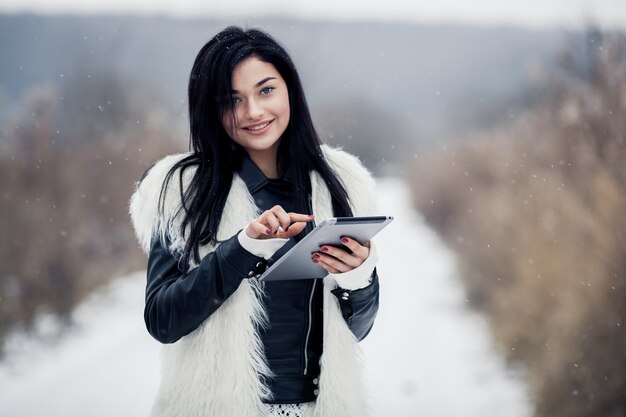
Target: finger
[
  {"x": 293, "y": 230},
  {"x": 281, "y": 216},
  {"x": 358, "y": 250},
  {"x": 269, "y": 219},
  {"x": 342, "y": 255},
  {"x": 324, "y": 265},
  {"x": 298, "y": 217},
  {"x": 256, "y": 230},
  {"x": 332, "y": 262}
]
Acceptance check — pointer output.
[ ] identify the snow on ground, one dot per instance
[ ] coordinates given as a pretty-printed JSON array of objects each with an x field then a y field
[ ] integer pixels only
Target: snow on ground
[
  {"x": 106, "y": 366},
  {"x": 428, "y": 355}
]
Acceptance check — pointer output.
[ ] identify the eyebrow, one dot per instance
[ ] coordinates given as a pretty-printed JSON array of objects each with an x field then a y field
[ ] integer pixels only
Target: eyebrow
[{"x": 260, "y": 83}]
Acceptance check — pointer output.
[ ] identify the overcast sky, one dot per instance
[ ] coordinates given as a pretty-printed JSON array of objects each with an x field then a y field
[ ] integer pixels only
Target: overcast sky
[{"x": 537, "y": 13}]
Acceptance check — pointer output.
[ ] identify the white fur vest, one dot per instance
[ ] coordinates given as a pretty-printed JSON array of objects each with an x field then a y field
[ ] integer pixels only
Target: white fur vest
[{"x": 214, "y": 371}]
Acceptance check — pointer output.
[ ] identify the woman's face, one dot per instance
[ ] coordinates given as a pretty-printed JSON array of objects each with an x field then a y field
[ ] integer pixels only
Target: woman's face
[{"x": 261, "y": 107}]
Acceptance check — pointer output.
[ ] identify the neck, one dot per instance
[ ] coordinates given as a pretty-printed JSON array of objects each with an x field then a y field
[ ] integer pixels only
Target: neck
[
  {"x": 266, "y": 164},
  {"x": 270, "y": 170}
]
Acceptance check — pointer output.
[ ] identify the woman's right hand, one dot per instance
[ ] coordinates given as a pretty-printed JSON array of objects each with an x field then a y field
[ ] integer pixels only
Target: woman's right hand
[{"x": 277, "y": 223}]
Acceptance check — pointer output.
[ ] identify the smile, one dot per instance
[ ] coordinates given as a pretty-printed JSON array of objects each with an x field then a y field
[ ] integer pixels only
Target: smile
[{"x": 258, "y": 128}]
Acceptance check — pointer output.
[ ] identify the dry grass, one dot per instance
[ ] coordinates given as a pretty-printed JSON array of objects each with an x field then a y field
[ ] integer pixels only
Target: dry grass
[
  {"x": 537, "y": 213},
  {"x": 64, "y": 206}
]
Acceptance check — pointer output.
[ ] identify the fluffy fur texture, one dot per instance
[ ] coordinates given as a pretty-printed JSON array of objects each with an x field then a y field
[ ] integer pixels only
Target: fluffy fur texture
[{"x": 216, "y": 370}]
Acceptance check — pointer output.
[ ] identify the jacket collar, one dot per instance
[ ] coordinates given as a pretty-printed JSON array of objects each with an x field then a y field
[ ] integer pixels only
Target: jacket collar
[{"x": 254, "y": 178}]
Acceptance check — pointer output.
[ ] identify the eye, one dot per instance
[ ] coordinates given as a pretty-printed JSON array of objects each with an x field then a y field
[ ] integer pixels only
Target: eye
[
  {"x": 234, "y": 100},
  {"x": 266, "y": 90}
]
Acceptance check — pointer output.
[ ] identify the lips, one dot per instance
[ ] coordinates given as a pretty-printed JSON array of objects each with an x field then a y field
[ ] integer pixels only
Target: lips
[{"x": 257, "y": 128}]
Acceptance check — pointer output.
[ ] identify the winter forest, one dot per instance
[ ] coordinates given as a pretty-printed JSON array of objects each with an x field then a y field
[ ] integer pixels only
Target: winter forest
[{"x": 498, "y": 149}]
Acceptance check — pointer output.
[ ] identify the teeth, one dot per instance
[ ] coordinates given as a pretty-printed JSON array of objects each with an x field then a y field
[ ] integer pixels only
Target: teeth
[{"x": 259, "y": 127}]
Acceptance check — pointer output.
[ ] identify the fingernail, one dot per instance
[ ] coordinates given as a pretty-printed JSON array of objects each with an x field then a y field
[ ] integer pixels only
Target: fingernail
[
  {"x": 315, "y": 260},
  {"x": 324, "y": 249},
  {"x": 268, "y": 232},
  {"x": 316, "y": 256},
  {"x": 286, "y": 228},
  {"x": 344, "y": 240}
]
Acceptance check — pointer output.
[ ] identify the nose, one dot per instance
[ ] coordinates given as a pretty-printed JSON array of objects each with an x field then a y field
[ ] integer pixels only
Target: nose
[{"x": 253, "y": 110}]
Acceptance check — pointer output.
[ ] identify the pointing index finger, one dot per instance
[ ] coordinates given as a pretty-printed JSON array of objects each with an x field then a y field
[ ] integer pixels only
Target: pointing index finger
[{"x": 297, "y": 217}]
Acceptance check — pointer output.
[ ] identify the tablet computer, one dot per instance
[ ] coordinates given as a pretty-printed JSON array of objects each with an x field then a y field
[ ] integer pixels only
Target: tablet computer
[{"x": 296, "y": 262}]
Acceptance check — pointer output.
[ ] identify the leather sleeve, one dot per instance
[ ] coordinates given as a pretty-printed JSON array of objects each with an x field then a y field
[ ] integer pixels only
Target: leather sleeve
[
  {"x": 177, "y": 303},
  {"x": 359, "y": 307}
]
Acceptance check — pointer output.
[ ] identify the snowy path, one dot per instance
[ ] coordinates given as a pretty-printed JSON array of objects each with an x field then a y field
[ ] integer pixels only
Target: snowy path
[{"x": 427, "y": 354}]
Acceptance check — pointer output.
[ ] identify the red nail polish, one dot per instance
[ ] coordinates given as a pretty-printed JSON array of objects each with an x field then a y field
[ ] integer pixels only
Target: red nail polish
[
  {"x": 316, "y": 256},
  {"x": 324, "y": 249},
  {"x": 344, "y": 240}
]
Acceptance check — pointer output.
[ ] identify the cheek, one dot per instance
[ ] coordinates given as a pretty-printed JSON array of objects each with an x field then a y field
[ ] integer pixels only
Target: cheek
[
  {"x": 228, "y": 122},
  {"x": 285, "y": 109}
]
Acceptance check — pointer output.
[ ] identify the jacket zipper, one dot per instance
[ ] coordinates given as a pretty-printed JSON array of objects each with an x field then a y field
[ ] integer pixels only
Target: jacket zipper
[{"x": 308, "y": 331}]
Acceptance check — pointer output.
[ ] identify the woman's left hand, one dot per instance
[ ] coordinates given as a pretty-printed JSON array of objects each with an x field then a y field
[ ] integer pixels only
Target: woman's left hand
[{"x": 337, "y": 260}]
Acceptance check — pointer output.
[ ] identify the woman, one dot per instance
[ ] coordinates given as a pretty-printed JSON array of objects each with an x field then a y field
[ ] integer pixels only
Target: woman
[{"x": 212, "y": 218}]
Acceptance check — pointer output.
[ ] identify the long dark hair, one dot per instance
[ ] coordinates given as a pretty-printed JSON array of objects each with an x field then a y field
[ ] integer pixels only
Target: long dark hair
[{"x": 214, "y": 153}]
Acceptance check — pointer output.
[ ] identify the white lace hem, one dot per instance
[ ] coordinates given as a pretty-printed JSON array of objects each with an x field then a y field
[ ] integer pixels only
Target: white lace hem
[{"x": 285, "y": 410}]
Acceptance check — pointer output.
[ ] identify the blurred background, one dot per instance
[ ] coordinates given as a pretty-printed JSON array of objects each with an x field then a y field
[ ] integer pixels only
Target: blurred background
[{"x": 505, "y": 122}]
